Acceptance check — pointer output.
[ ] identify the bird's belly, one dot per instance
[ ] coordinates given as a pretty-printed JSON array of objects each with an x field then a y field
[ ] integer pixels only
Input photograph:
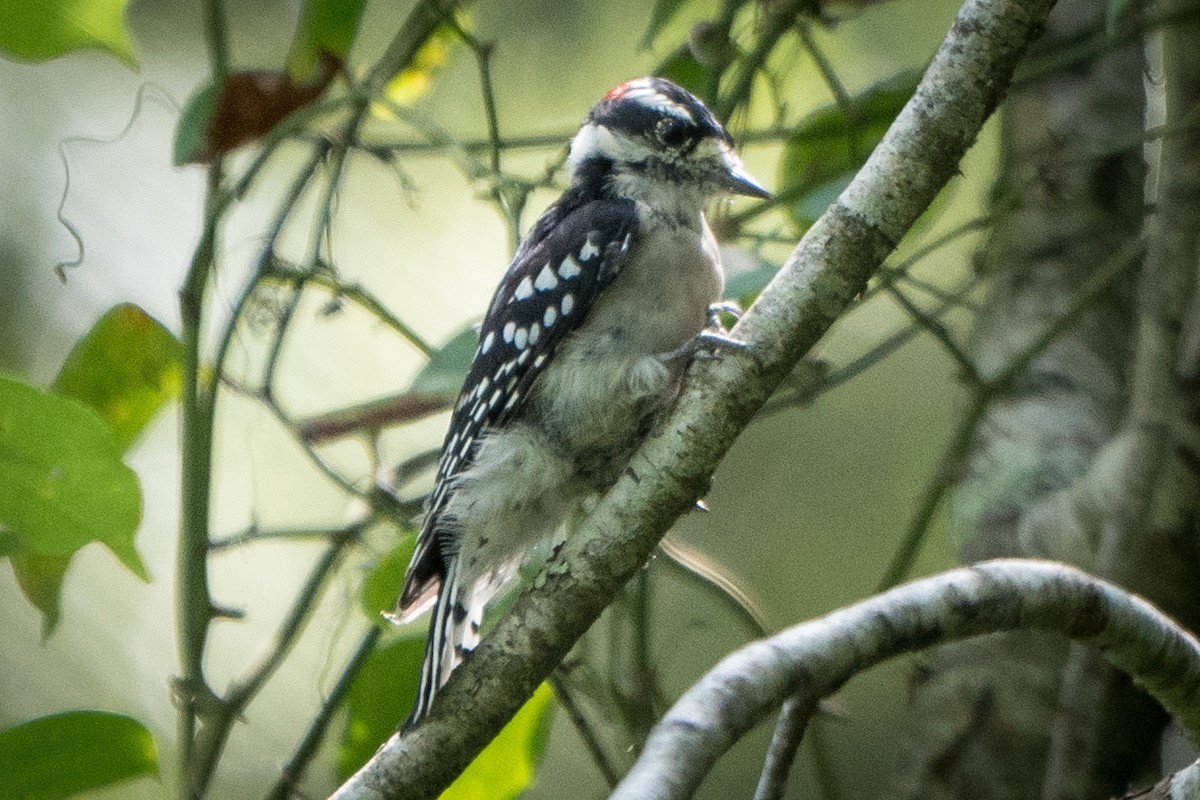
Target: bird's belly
[{"x": 611, "y": 377}]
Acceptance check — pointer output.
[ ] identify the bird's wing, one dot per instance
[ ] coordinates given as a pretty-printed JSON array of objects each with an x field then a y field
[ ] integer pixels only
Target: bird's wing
[{"x": 568, "y": 259}]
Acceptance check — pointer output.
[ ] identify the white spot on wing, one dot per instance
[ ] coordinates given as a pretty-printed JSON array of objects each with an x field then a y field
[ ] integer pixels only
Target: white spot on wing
[
  {"x": 569, "y": 268},
  {"x": 550, "y": 315},
  {"x": 520, "y": 338},
  {"x": 510, "y": 328},
  {"x": 512, "y": 400},
  {"x": 588, "y": 251},
  {"x": 487, "y": 342},
  {"x": 496, "y": 395},
  {"x": 524, "y": 289},
  {"x": 521, "y": 359},
  {"x": 537, "y": 362},
  {"x": 568, "y": 304},
  {"x": 546, "y": 280},
  {"x": 535, "y": 331}
]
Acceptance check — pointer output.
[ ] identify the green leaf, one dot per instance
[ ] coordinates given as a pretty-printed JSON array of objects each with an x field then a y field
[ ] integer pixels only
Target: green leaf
[
  {"x": 383, "y": 583},
  {"x": 65, "y": 754},
  {"x": 506, "y": 767},
  {"x": 830, "y": 145},
  {"x": 191, "y": 135},
  {"x": 40, "y": 578},
  {"x": 325, "y": 25},
  {"x": 126, "y": 368},
  {"x": 379, "y": 701},
  {"x": 37, "y": 30},
  {"x": 65, "y": 485},
  {"x": 448, "y": 365}
]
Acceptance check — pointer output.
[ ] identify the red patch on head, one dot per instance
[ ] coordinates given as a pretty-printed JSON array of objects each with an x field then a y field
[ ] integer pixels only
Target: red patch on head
[{"x": 618, "y": 91}]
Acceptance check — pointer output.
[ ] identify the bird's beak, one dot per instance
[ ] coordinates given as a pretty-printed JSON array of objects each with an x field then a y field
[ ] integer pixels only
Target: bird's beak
[{"x": 736, "y": 180}]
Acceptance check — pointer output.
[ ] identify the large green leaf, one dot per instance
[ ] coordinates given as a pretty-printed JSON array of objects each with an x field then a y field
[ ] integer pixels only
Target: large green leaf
[
  {"x": 506, "y": 767},
  {"x": 832, "y": 143},
  {"x": 327, "y": 26},
  {"x": 65, "y": 754},
  {"x": 379, "y": 701},
  {"x": 64, "y": 486},
  {"x": 126, "y": 368},
  {"x": 37, "y": 30}
]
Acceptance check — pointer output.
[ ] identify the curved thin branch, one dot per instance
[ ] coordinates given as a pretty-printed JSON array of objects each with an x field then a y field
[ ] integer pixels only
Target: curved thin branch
[
  {"x": 812, "y": 660},
  {"x": 797, "y": 710},
  {"x": 826, "y": 272}
]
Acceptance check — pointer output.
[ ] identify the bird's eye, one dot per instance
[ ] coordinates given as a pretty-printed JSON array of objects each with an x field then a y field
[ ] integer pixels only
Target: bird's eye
[{"x": 671, "y": 132}]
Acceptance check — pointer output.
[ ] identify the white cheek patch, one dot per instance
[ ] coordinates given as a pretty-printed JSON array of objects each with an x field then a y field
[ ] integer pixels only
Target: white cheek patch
[{"x": 594, "y": 140}]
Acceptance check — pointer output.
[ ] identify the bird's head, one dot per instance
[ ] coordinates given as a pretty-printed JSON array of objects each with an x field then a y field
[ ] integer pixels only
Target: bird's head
[{"x": 653, "y": 141}]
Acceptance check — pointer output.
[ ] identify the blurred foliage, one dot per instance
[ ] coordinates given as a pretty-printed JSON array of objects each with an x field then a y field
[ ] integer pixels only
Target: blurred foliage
[
  {"x": 62, "y": 755},
  {"x": 379, "y": 700},
  {"x": 829, "y": 146},
  {"x": 326, "y": 26},
  {"x": 37, "y": 31},
  {"x": 127, "y": 368},
  {"x": 383, "y": 583},
  {"x": 414, "y": 81}
]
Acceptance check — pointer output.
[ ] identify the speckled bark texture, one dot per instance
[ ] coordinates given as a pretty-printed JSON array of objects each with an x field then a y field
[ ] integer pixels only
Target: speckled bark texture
[
  {"x": 828, "y": 269},
  {"x": 1053, "y": 471}
]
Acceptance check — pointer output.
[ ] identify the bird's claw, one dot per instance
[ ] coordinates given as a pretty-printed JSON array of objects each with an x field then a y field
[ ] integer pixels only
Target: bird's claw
[
  {"x": 706, "y": 345},
  {"x": 715, "y": 311}
]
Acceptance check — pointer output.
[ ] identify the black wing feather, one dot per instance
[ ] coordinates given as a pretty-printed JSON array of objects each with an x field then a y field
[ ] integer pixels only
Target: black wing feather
[{"x": 573, "y": 252}]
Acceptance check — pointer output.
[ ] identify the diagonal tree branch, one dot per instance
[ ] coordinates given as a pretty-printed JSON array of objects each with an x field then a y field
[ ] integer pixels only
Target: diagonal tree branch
[{"x": 824, "y": 274}]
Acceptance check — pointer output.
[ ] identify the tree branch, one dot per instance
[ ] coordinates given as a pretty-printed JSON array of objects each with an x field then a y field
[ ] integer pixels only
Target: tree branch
[
  {"x": 816, "y": 658},
  {"x": 826, "y": 272}
]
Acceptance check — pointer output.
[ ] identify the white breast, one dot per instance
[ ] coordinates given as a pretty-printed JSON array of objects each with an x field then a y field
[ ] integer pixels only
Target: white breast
[{"x": 608, "y": 377}]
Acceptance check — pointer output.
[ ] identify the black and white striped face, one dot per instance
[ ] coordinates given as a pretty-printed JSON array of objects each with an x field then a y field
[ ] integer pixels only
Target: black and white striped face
[{"x": 659, "y": 144}]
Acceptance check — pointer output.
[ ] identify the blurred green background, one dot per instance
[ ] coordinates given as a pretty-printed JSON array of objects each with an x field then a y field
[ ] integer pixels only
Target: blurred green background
[{"x": 806, "y": 510}]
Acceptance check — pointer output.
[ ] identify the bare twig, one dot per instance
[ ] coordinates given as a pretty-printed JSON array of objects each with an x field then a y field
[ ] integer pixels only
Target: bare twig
[
  {"x": 293, "y": 771},
  {"x": 785, "y": 741}
]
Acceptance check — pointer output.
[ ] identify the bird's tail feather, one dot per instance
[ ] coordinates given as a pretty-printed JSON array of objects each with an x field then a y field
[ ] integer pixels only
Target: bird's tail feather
[{"x": 453, "y": 632}]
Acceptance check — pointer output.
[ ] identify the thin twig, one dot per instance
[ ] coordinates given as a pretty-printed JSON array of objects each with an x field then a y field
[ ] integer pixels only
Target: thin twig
[
  {"x": 986, "y": 391},
  {"x": 194, "y": 602},
  {"x": 591, "y": 741},
  {"x": 932, "y": 325},
  {"x": 293, "y": 771},
  {"x": 779, "y": 21},
  {"x": 785, "y": 741}
]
